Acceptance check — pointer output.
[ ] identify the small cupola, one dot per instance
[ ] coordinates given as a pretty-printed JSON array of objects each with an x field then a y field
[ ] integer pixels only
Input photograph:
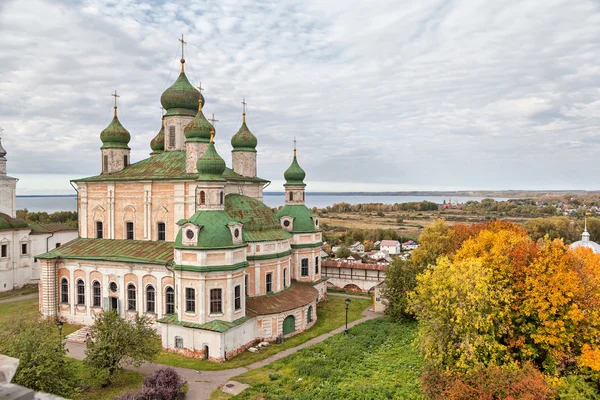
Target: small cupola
[
  {"x": 294, "y": 182},
  {"x": 157, "y": 144},
  {"x": 115, "y": 144},
  {"x": 210, "y": 189},
  {"x": 199, "y": 129},
  {"x": 244, "y": 149}
]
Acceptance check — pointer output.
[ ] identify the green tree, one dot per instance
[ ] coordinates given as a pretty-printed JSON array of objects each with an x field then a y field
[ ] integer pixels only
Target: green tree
[
  {"x": 42, "y": 365},
  {"x": 343, "y": 252},
  {"x": 400, "y": 279},
  {"x": 114, "y": 340}
]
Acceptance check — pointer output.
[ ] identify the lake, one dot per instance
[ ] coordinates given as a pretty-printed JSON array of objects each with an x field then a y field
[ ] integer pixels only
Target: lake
[{"x": 53, "y": 204}]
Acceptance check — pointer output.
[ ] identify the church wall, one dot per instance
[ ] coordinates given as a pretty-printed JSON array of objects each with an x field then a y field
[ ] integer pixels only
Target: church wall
[
  {"x": 193, "y": 151},
  {"x": 254, "y": 190},
  {"x": 8, "y": 192},
  {"x": 313, "y": 255},
  {"x": 244, "y": 163},
  {"x": 179, "y": 122},
  {"x": 15, "y": 269}
]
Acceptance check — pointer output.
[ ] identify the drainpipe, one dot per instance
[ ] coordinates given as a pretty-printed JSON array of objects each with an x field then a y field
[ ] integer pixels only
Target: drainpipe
[{"x": 47, "y": 242}]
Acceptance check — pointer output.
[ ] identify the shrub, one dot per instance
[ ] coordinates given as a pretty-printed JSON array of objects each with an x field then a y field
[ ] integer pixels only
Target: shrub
[
  {"x": 163, "y": 384},
  {"x": 274, "y": 377},
  {"x": 493, "y": 382}
]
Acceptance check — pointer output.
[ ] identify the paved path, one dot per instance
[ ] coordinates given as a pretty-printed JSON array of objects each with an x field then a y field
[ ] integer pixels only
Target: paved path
[
  {"x": 19, "y": 298},
  {"x": 202, "y": 383},
  {"x": 352, "y": 296}
]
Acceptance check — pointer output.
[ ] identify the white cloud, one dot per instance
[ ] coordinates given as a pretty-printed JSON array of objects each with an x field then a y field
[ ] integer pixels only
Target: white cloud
[{"x": 428, "y": 94}]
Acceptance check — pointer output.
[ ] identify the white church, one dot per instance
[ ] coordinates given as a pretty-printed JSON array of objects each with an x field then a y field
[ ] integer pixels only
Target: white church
[{"x": 20, "y": 241}]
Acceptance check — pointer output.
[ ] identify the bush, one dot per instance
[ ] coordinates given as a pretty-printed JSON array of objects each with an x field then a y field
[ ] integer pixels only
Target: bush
[
  {"x": 162, "y": 384},
  {"x": 493, "y": 382}
]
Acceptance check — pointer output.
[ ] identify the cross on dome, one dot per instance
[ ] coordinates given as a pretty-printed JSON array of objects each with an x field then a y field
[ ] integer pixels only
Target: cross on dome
[
  {"x": 244, "y": 109},
  {"x": 183, "y": 43},
  {"x": 212, "y": 132},
  {"x": 115, "y": 95}
]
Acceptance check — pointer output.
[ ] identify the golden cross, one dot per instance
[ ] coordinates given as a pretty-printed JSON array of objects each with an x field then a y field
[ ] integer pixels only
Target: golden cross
[
  {"x": 115, "y": 95},
  {"x": 182, "y": 58},
  {"x": 244, "y": 110},
  {"x": 212, "y": 132},
  {"x": 294, "y": 146},
  {"x": 213, "y": 120}
]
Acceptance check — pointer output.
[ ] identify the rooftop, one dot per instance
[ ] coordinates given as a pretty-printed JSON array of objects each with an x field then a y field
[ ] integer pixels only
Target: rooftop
[
  {"x": 389, "y": 243},
  {"x": 50, "y": 228},
  {"x": 216, "y": 325},
  {"x": 163, "y": 166},
  {"x": 297, "y": 295},
  {"x": 142, "y": 251}
]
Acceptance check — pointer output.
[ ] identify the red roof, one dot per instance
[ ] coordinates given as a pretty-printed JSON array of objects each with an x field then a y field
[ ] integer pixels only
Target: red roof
[
  {"x": 389, "y": 243},
  {"x": 338, "y": 264},
  {"x": 297, "y": 295}
]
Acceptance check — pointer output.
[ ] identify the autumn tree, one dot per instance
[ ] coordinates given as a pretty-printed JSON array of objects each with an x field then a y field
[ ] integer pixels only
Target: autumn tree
[{"x": 400, "y": 279}]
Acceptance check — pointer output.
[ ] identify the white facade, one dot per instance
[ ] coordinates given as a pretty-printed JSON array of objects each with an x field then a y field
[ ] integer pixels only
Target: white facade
[{"x": 390, "y": 246}]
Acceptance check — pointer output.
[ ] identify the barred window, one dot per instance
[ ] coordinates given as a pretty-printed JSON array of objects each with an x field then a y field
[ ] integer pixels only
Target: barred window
[
  {"x": 131, "y": 297},
  {"x": 304, "y": 271},
  {"x": 316, "y": 265},
  {"x": 238, "y": 297},
  {"x": 80, "y": 292},
  {"x": 202, "y": 197},
  {"x": 169, "y": 300},
  {"x": 96, "y": 294},
  {"x": 99, "y": 230},
  {"x": 162, "y": 231},
  {"x": 105, "y": 166},
  {"x": 171, "y": 136},
  {"x": 269, "y": 282},
  {"x": 150, "y": 299},
  {"x": 129, "y": 228},
  {"x": 216, "y": 302},
  {"x": 64, "y": 290},
  {"x": 190, "y": 300}
]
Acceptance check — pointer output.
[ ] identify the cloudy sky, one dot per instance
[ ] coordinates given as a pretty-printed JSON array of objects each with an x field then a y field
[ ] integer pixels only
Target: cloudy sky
[{"x": 382, "y": 95}]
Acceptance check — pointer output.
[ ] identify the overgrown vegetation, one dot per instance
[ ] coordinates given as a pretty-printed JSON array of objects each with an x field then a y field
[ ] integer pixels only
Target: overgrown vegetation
[
  {"x": 376, "y": 360},
  {"x": 162, "y": 384}
]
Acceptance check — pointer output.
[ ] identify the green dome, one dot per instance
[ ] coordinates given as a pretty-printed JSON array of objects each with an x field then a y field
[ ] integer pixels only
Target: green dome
[
  {"x": 157, "y": 144},
  {"x": 260, "y": 222},
  {"x": 210, "y": 166},
  {"x": 303, "y": 217},
  {"x": 198, "y": 130},
  {"x": 181, "y": 98},
  {"x": 115, "y": 136},
  {"x": 244, "y": 140},
  {"x": 214, "y": 232},
  {"x": 8, "y": 222},
  {"x": 294, "y": 175}
]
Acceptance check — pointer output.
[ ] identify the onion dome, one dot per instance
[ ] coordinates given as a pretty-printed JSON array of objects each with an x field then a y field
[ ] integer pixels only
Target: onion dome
[
  {"x": 115, "y": 136},
  {"x": 157, "y": 144},
  {"x": 294, "y": 175},
  {"x": 181, "y": 98},
  {"x": 210, "y": 166},
  {"x": 244, "y": 140},
  {"x": 198, "y": 130},
  {"x": 2, "y": 152}
]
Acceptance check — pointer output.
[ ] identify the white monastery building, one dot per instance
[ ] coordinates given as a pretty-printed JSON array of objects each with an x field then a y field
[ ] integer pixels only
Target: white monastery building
[
  {"x": 19, "y": 241},
  {"x": 188, "y": 242}
]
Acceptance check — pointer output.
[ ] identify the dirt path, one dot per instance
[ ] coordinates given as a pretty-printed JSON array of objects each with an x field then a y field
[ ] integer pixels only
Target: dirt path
[
  {"x": 203, "y": 383},
  {"x": 19, "y": 298}
]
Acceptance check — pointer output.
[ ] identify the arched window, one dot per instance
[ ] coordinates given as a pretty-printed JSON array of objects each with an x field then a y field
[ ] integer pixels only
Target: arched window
[
  {"x": 169, "y": 300},
  {"x": 64, "y": 290},
  {"x": 309, "y": 314},
  {"x": 202, "y": 197},
  {"x": 131, "y": 297},
  {"x": 129, "y": 230},
  {"x": 150, "y": 299},
  {"x": 171, "y": 137},
  {"x": 80, "y": 292},
  {"x": 96, "y": 294},
  {"x": 291, "y": 196},
  {"x": 221, "y": 197}
]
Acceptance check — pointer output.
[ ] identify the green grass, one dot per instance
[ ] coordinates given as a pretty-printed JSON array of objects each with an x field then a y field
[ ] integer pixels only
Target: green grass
[
  {"x": 28, "y": 309},
  {"x": 329, "y": 290},
  {"x": 122, "y": 382},
  {"x": 377, "y": 360},
  {"x": 330, "y": 315},
  {"x": 27, "y": 289}
]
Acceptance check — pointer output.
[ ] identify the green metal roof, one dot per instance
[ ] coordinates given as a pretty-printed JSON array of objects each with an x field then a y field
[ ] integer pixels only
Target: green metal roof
[
  {"x": 8, "y": 222},
  {"x": 303, "y": 217},
  {"x": 115, "y": 136},
  {"x": 168, "y": 165},
  {"x": 157, "y": 144},
  {"x": 260, "y": 223},
  {"x": 181, "y": 98},
  {"x": 142, "y": 251},
  {"x": 198, "y": 130},
  {"x": 244, "y": 140},
  {"x": 210, "y": 166},
  {"x": 216, "y": 325},
  {"x": 294, "y": 175},
  {"x": 214, "y": 230}
]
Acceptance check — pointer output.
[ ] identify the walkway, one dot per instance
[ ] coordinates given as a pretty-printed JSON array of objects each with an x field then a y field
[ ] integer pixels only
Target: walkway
[
  {"x": 202, "y": 383},
  {"x": 352, "y": 296},
  {"x": 19, "y": 298}
]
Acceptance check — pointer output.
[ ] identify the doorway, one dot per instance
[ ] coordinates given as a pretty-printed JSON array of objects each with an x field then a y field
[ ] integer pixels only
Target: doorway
[
  {"x": 289, "y": 324},
  {"x": 206, "y": 352},
  {"x": 114, "y": 303}
]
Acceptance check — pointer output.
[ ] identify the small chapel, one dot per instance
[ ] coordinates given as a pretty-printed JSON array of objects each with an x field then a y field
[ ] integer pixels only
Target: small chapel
[{"x": 187, "y": 241}]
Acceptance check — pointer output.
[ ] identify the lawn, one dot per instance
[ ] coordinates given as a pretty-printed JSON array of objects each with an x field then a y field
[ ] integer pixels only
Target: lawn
[
  {"x": 122, "y": 382},
  {"x": 330, "y": 315},
  {"x": 377, "y": 360},
  {"x": 27, "y": 309},
  {"x": 27, "y": 289}
]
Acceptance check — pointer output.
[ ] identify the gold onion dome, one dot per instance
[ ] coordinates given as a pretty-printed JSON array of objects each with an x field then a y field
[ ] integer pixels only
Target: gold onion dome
[
  {"x": 198, "y": 130},
  {"x": 181, "y": 98},
  {"x": 210, "y": 166},
  {"x": 157, "y": 144},
  {"x": 115, "y": 136}
]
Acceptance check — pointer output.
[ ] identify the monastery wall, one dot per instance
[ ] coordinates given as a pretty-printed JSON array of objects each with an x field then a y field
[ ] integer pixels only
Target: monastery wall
[
  {"x": 268, "y": 327},
  {"x": 15, "y": 268}
]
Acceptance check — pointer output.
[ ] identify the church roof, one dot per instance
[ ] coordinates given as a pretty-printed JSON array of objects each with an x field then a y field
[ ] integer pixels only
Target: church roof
[
  {"x": 164, "y": 166},
  {"x": 244, "y": 140},
  {"x": 50, "y": 228},
  {"x": 303, "y": 217},
  {"x": 260, "y": 222},
  {"x": 297, "y": 295},
  {"x": 181, "y": 98},
  {"x": 294, "y": 175},
  {"x": 586, "y": 242},
  {"x": 8, "y": 223},
  {"x": 216, "y": 325},
  {"x": 214, "y": 230},
  {"x": 140, "y": 251}
]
